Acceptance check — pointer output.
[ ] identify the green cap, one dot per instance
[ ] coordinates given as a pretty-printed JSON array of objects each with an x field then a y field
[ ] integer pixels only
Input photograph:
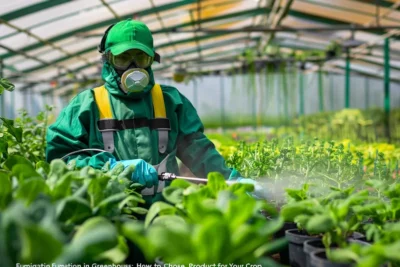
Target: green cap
[{"x": 129, "y": 34}]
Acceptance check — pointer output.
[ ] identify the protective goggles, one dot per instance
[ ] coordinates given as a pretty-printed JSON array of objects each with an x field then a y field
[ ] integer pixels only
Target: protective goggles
[{"x": 124, "y": 60}]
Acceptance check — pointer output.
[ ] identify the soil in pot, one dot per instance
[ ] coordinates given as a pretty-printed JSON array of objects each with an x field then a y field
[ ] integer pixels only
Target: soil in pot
[{"x": 296, "y": 238}]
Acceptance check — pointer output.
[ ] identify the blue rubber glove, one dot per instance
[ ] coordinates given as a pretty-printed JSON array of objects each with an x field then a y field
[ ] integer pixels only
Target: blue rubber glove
[
  {"x": 144, "y": 173},
  {"x": 259, "y": 192}
]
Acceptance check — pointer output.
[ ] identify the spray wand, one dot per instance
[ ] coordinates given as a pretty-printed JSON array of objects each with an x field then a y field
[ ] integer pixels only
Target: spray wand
[{"x": 167, "y": 176}]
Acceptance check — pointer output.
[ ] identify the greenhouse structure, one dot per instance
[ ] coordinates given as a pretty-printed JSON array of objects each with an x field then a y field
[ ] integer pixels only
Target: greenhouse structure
[{"x": 199, "y": 133}]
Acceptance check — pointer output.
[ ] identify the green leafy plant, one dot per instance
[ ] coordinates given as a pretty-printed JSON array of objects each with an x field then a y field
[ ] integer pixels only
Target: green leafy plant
[{"x": 208, "y": 224}]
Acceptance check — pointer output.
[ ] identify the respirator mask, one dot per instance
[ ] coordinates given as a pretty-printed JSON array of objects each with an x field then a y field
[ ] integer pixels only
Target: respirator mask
[{"x": 131, "y": 67}]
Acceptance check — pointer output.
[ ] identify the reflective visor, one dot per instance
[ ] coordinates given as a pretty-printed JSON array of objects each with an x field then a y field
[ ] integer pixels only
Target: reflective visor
[{"x": 124, "y": 60}]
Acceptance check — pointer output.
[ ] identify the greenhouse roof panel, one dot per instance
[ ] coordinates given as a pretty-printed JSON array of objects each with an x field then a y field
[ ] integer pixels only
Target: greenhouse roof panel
[{"x": 39, "y": 37}]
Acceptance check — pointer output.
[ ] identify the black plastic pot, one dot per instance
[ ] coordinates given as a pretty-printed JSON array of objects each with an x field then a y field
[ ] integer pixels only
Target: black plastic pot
[
  {"x": 357, "y": 236},
  {"x": 284, "y": 252},
  {"x": 314, "y": 246},
  {"x": 296, "y": 238},
  {"x": 318, "y": 259}
]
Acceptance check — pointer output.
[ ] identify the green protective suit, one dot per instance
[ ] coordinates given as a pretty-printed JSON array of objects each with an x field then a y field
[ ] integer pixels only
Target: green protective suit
[{"x": 76, "y": 128}]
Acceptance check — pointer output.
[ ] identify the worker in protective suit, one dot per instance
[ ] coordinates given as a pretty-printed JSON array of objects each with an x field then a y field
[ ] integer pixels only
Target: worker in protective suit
[{"x": 123, "y": 118}]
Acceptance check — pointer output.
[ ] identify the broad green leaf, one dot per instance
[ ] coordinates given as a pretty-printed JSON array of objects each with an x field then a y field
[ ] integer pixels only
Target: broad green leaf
[
  {"x": 238, "y": 211},
  {"x": 391, "y": 251},
  {"x": 241, "y": 189},
  {"x": 170, "y": 244},
  {"x": 109, "y": 207},
  {"x": 173, "y": 195},
  {"x": 371, "y": 261},
  {"x": 29, "y": 189},
  {"x": 62, "y": 187},
  {"x": 24, "y": 172},
  {"x": 395, "y": 203},
  {"x": 3, "y": 146},
  {"x": 216, "y": 182},
  {"x": 343, "y": 255},
  {"x": 6, "y": 85},
  {"x": 246, "y": 239},
  {"x": 5, "y": 190},
  {"x": 119, "y": 168},
  {"x": 96, "y": 190},
  {"x": 271, "y": 247},
  {"x": 38, "y": 245},
  {"x": 210, "y": 248},
  {"x": 180, "y": 183},
  {"x": 139, "y": 210},
  {"x": 127, "y": 172},
  {"x": 5, "y": 256},
  {"x": 135, "y": 232},
  {"x": 301, "y": 220},
  {"x": 319, "y": 224},
  {"x": 73, "y": 210},
  {"x": 131, "y": 201},
  {"x": 117, "y": 254},
  {"x": 15, "y": 159},
  {"x": 57, "y": 169},
  {"x": 170, "y": 221},
  {"x": 290, "y": 211},
  {"x": 368, "y": 209},
  {"x": 93, "y": 238},
  {"x": 115, "y": 185},
  {"x": 158, "y": 208},
  {"x": 15, "y": 132},
  {"x": 43, "y": 165},
  {"x": 296, "y": 194},
  {"x": 71, "y": 165}
]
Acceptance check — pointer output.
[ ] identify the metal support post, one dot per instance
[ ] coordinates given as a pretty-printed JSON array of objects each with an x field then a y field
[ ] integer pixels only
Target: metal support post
[
  {"x": 278, "y": 96},
  {"x": 285, "y": 95},
  {"x": 320, "y": 89},
  {"x": 222, "y": 104},
  {"x": 2, "y": 102},
  {"x": 195, "y": 94},
  {"x": 301, "y": 92},
  {"x": 331, "y": 93},
  {"x": 366, "y": 93},
  {"x": 387, "y": 88},
  {"x": 347, "y": 82}
]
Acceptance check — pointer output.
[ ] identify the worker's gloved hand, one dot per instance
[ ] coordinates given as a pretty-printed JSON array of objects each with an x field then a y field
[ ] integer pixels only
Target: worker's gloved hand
[
  {"x": 259, "y": 192},
  {"x": 144, "y": 173}
]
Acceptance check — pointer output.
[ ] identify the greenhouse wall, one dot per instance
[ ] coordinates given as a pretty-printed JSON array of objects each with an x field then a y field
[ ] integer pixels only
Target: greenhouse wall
[{"x": 238, "y": 102}]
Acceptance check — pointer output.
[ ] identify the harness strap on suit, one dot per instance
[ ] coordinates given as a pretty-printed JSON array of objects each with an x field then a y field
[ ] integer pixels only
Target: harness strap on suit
[{"x": 108, "y": 125}]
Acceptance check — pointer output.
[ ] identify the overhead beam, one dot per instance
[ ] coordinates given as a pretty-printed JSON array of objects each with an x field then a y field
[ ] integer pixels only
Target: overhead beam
[
  {"x": 104, "y": 23},
  {"x": 41, "y": 40},
  {"x": 111, "y": 9},
  {"x": 59, "y": 60},
  {"x": 178, "y": 42},
  {"x": 27, "y": 10},
  {"x": 381, "y": 3},
  {"x": 188, "y": 51},
  {"x": 348, "y": 27},
  {"x": 33, "y": 58}
]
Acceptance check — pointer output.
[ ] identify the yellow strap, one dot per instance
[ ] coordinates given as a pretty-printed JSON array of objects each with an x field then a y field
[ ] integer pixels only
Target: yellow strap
[
  {"x": 158, "y": 102},
  {"x": 103, "y": 102}
]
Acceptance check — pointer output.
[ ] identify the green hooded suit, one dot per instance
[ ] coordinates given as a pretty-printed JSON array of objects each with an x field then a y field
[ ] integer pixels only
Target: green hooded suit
[{"x": 76, "y": 128}]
